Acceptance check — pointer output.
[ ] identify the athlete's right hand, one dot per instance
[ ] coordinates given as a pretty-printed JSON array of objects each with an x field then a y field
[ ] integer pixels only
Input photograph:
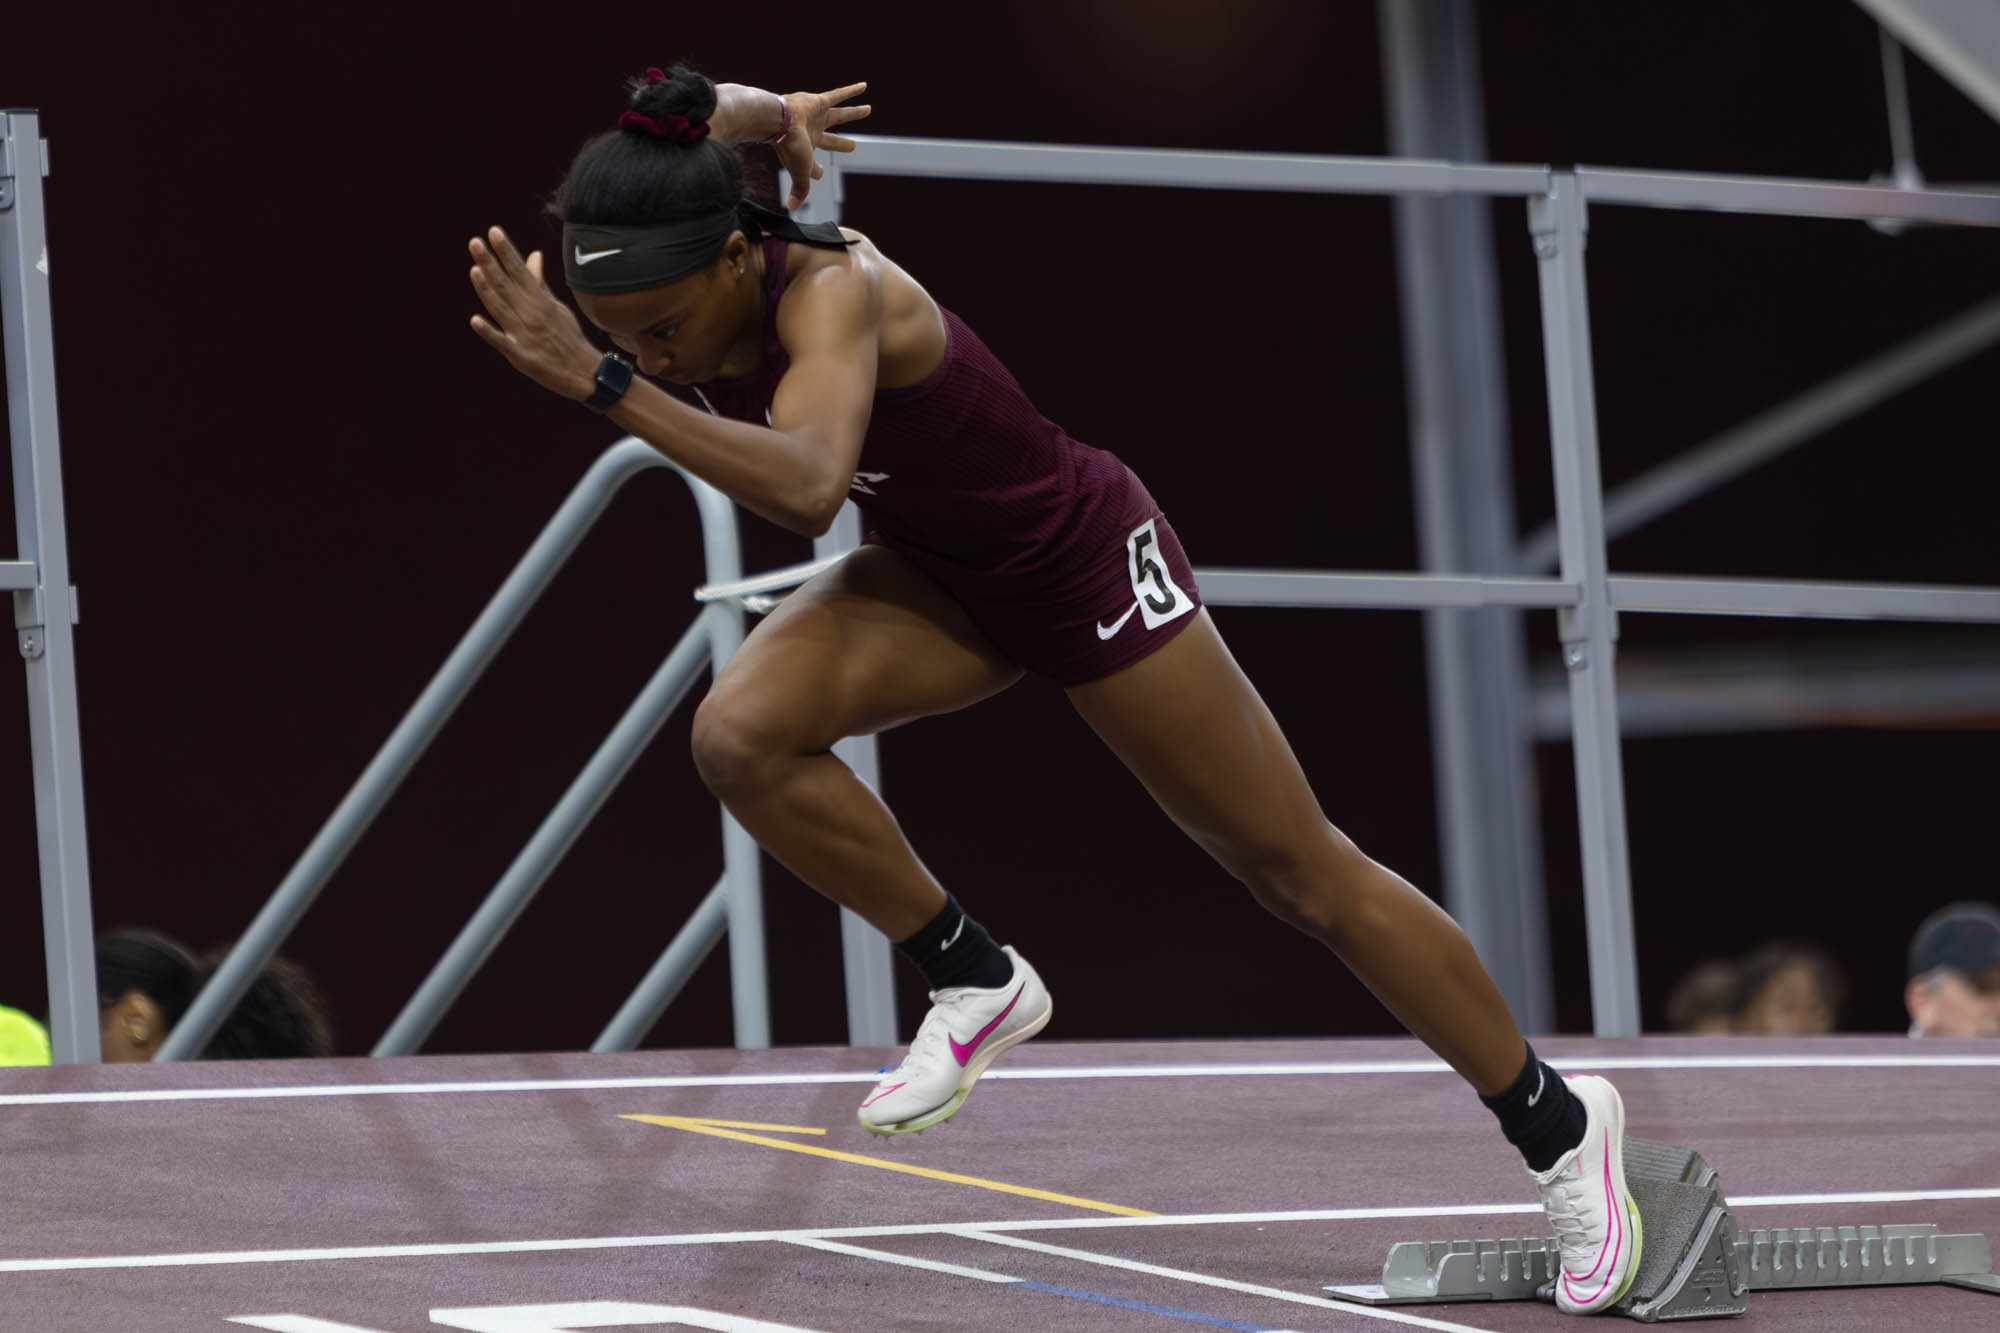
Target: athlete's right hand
[{"x": 536, "y": 332}]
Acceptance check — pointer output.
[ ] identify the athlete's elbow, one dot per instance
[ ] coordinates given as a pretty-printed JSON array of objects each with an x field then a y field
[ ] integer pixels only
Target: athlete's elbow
[
  {"x": 807, "y": 518},
  {"x": 819, "y": 522},
  {"x": 818, "y": 484},
  {"x": 819, "y": 509}
]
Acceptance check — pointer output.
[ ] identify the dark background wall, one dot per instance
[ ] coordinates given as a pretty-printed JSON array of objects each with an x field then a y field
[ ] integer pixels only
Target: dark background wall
[{"x": 293, "y": 476}]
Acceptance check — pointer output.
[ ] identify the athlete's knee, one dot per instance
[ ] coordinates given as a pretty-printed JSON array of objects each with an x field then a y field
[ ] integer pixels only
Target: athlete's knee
[
  {"x": 737, "y": 744},
  {"x": 1324, "y": 887}
]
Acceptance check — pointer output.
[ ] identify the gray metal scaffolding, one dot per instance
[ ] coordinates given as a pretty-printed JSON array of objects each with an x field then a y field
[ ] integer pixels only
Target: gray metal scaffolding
[
  {"x": 1586, "y": 594},
  {"x": 45, "y": 604},
  {"x": 1482, "y": 742}
]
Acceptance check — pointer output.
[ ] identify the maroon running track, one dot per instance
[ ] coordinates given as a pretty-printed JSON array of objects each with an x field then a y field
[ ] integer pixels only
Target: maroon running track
[{"x": 396, "y": 1196}]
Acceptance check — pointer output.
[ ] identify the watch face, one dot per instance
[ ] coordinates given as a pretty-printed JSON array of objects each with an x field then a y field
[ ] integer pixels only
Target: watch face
[{"x": 614, "y": 376}]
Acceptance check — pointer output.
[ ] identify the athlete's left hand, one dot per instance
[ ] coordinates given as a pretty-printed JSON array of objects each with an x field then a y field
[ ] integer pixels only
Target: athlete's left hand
[
  {"x": 536, "y": 332},
  {"x": 813, "y": 116}
]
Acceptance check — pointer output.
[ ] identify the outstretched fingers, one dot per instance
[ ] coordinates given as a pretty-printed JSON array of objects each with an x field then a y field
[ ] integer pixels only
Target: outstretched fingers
[
  {"x": 490, "y": 284},
  {"x": 490, "y": 334},
  {"x": 501, "y": 320},
  {"x": 504, "y": 252},
  {"x": 499, "y": 274},
  {"x": 493, "y": 286},
  {"x": 839, "y": 115},
  {"x": 525, "y": 321}
]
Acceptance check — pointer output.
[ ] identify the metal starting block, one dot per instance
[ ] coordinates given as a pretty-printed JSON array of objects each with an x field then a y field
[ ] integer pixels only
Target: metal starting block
[{"x": 1695, "y": 1262}]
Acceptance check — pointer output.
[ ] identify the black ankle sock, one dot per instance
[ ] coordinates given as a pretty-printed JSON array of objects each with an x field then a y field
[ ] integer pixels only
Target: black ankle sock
[
  {"x": 1539, "y": 1114},
  {"x": 955, "y": 950}
]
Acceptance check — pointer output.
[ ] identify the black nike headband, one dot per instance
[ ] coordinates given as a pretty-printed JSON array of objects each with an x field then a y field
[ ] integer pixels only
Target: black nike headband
[{"x": 629, "y": 259}]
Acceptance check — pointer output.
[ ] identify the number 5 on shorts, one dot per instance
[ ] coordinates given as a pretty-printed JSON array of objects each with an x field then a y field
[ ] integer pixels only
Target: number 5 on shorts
[{"x": 1160, "y": 599}]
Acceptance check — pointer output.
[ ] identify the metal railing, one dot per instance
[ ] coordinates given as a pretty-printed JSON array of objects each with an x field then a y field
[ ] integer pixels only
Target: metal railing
[
  {"x": 1587, "y": 597},
  {"x": 1585, "y": 594},
  {"x": 734, "y": 904}
]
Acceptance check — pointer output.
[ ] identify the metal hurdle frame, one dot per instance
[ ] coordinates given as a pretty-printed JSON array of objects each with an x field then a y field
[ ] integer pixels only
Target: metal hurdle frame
[
  {"x": 1586, "y": 595},
  {"x": 734, "y": 904}
]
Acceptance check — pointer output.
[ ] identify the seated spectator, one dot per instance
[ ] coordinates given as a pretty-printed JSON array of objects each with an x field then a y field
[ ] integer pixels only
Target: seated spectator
[
  {"x": 1788, "y": 990},
  {"x": 1703, "y": 1002},
  {"x": 145, "y": 982},
  {"x": 1954, "y": 973}
]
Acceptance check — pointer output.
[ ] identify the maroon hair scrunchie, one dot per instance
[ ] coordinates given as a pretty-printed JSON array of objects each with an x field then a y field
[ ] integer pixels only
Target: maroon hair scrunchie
[{"x": 665, "y": 126}]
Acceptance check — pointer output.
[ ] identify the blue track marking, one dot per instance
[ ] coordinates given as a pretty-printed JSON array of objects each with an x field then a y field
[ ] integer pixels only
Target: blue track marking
[{"x": 1213, "y": 1321}]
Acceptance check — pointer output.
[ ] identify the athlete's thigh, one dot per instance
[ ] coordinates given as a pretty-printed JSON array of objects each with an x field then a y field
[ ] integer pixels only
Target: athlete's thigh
[
  {"x": 1194, "y": 730},
  {"x": 860, "y": 648}
]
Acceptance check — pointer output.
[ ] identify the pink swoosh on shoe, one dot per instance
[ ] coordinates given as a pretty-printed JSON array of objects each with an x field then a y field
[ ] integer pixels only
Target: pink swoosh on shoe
[
  {"x": 1612, "y": 1250},
  {"x": 964, "y": 1053},
  {"x": 880, "y": 1093}
]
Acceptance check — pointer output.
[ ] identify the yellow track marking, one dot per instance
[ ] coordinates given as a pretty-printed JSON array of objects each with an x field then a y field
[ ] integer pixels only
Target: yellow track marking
[
  {"x": 716, "y": 1128},
  {"x": 690, "y": 1121}
]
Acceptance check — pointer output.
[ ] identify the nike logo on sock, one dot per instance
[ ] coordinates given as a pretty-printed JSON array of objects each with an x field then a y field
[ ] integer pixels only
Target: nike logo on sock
[
  {"x": 1539, "y": 1077},
  {"x": 964, "y": 1052},
  {"x": 954, "y": 935},
  {"x": 1117, "y": 624}
]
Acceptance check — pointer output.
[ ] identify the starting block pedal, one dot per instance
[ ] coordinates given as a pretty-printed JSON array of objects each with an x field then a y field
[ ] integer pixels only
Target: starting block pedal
[{"x": 1696, "y": 1263}]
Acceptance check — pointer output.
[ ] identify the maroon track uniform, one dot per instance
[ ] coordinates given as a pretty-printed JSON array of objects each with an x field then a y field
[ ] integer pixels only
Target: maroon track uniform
[{"x": 1054, "y": 548}]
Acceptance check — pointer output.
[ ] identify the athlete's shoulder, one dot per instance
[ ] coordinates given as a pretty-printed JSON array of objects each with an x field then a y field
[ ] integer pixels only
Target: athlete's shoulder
[
  {"x": 830, "y": 302},
  {"x": 857, "y": 290},
  {"x": 812, "y": 267}
]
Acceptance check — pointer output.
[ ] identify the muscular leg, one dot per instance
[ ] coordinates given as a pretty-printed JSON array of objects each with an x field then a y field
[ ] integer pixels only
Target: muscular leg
[
  {"x": 865, "y": 646},
  {"x": 1190, "y": 725}
]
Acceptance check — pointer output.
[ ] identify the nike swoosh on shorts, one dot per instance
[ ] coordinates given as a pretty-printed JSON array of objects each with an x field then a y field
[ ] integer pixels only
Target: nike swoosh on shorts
[{"x": 1117, "y": 624}]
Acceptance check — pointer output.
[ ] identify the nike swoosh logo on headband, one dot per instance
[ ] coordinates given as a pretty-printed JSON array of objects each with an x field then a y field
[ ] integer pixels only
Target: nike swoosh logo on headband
[{"x": 582, "y": 258}]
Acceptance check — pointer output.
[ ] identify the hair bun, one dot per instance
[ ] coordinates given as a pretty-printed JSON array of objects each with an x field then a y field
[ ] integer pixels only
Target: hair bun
[{"x": 680, "y": 92}]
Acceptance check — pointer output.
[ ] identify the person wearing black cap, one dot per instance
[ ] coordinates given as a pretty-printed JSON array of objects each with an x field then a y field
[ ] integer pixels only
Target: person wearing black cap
[{"x": 1954, "y": 986}]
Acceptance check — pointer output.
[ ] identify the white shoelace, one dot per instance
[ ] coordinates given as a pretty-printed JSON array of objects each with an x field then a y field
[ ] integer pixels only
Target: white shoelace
[
  {"x": 1562, "y": 1199},
  {"x": 930, "y": 1044}
]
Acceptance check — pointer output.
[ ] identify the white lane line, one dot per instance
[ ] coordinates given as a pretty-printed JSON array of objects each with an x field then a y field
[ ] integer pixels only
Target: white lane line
[
  {"x": 1292, "y": 1215},
  {"x": 801, "y": 1080},
  {"x": 434, "y": 1089},
  {"x": 220, "y": 1257},
  {"x": 1223, "y": 1283},
  {"x": 906, "y": 1260},
  {"x": 1458, "y": 1210},
  {"x": 1857, "y": 1196},
  {"x": 419, "y": 1251}
]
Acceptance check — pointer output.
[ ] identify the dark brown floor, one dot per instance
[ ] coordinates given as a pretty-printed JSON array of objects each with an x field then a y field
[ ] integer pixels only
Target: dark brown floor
[{"x": 380, "y": 1196}]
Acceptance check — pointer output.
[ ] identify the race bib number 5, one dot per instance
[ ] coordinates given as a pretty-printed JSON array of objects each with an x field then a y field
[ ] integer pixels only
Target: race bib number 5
[{"x": 1160, "y": 598}]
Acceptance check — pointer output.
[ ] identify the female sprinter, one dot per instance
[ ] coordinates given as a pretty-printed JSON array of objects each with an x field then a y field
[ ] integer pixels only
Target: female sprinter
[{"x": 814, "y": 371}]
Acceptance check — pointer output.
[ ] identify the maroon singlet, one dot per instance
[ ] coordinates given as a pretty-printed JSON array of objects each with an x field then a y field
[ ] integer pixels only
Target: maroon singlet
[{"x": 1054, "y": 548}]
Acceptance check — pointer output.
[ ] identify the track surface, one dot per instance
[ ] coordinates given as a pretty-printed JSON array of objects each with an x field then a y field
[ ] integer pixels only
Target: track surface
[{"x": 1083, "y": 1187}]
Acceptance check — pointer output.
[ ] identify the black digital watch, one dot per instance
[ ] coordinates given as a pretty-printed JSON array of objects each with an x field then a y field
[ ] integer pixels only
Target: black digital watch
[{"x": 614, "y": 376}]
